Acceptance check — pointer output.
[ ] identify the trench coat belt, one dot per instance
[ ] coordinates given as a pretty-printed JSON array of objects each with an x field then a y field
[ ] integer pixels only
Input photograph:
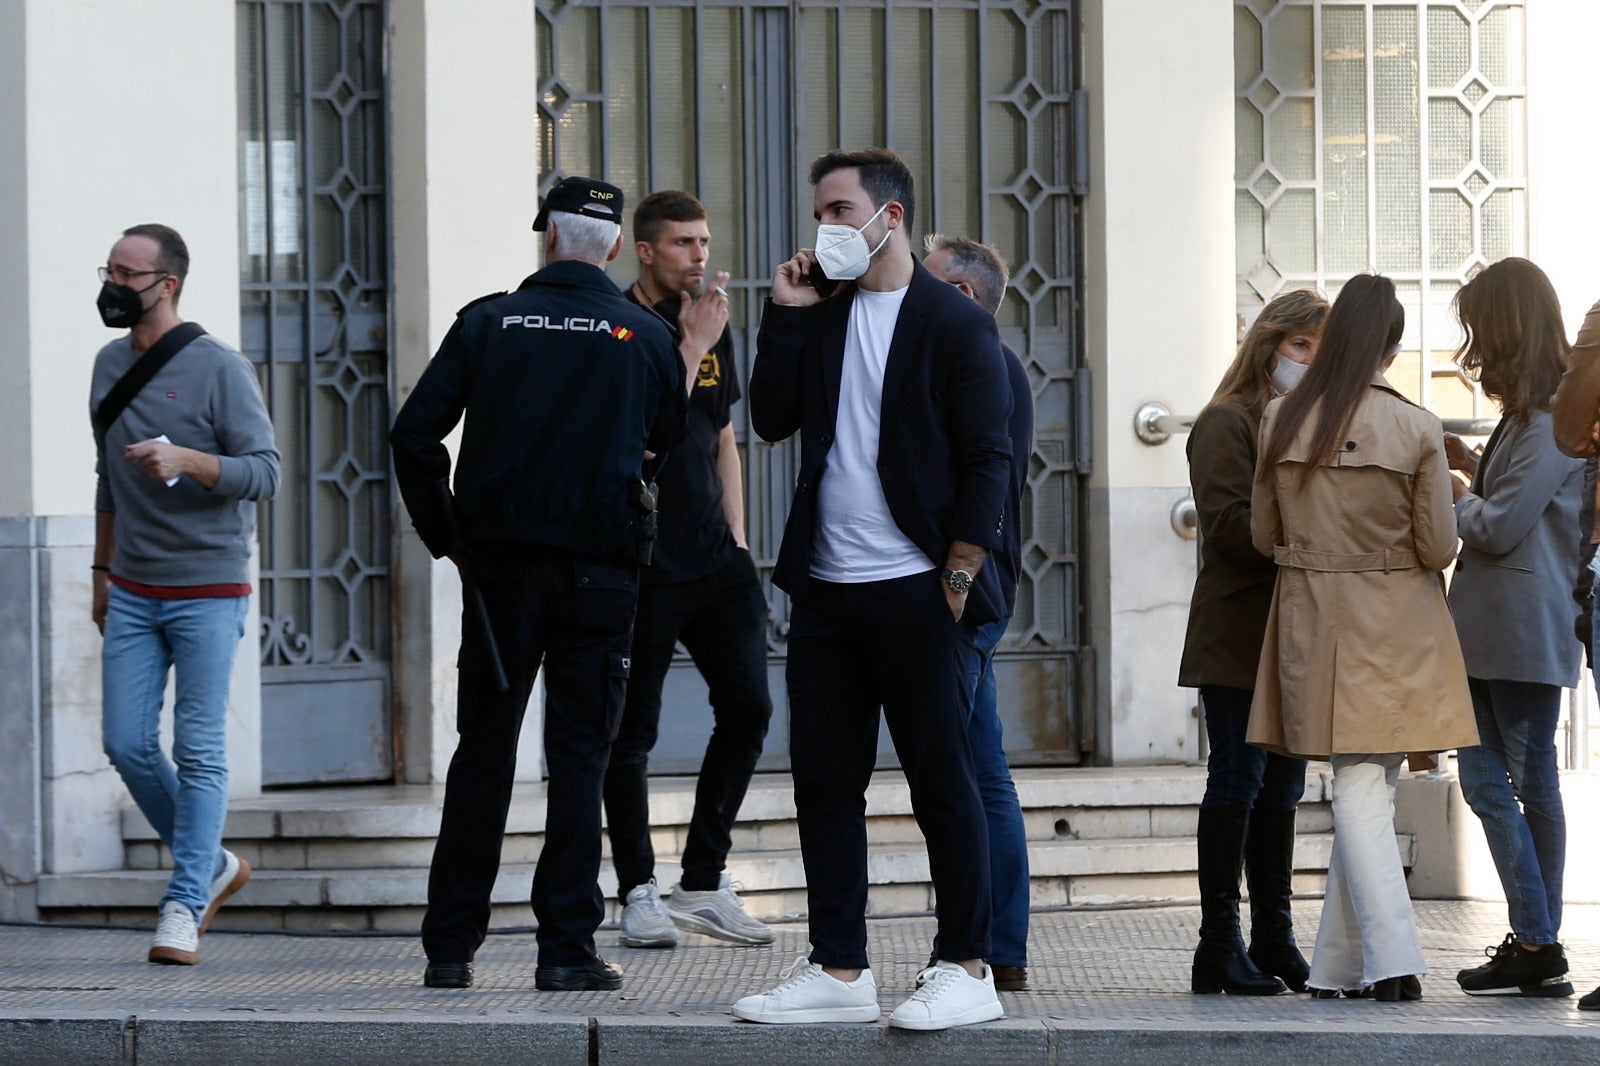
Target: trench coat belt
[{"x": 1345, "y": 562}]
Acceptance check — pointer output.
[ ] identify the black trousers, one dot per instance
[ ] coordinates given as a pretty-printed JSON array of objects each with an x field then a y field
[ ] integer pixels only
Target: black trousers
[
  {"x": 854, "y": 649},
  {"x": 576, "y": 618},
  {"x": 722, "y": 621}
]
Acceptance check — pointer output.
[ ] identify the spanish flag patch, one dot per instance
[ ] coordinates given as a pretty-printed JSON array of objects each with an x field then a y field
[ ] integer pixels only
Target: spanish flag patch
[{"x": 622, "y": 333}]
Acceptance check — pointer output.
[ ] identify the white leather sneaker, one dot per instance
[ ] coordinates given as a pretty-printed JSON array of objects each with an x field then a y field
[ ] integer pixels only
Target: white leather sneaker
[
  {"x": 808, "y": 994},
  {"x": 645, "y": 923},
  {"x": 948, "y": 996},
  {"x": 235, "y": 872},
  {"x": 177, "y": 939}
]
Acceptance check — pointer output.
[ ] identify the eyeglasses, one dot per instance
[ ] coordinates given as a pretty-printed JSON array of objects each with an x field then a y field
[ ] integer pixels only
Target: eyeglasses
[{"x": 119, "y": 275}]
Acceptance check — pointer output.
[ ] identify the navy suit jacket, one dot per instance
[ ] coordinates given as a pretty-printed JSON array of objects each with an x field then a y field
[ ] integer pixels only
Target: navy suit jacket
[{"x": 944, "y": 450}]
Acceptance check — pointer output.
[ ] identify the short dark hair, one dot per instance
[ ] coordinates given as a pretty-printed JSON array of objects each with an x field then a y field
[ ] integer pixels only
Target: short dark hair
[
  {"x": 979, "y": 265},
  {"x": 884, "y": 175},
  {"x": 659, "y": 208},
  {"x": 172, "y": 254}
]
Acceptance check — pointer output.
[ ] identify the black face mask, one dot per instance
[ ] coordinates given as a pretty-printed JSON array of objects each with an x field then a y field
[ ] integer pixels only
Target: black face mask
[{"x": 120, "y": 306}]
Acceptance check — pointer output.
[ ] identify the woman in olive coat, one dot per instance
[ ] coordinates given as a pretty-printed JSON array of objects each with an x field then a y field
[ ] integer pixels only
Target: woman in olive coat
[{"x": 1247, "y": 815}]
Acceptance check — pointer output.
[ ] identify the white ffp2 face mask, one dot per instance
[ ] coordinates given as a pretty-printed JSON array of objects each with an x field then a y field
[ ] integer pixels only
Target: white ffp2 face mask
[
  {"x": 842, "y": 251},
  {"x": 1286, "y": 373}
]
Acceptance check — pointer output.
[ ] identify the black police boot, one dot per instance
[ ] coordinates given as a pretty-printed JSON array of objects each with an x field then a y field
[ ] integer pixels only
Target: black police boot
[
  {"x": 1269, "y": 871},
  {"x": 448, "y": 975},
  {"x": 595, "y": 975},
  {"x": 1221, "y": 963}
]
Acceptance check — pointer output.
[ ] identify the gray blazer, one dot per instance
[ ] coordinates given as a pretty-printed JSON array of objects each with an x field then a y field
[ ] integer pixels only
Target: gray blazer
[{"x": 1512, "y": 591}]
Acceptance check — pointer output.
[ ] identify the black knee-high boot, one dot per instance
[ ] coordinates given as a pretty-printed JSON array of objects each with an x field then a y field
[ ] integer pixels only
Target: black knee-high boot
[
  {"x": 1221, "y": 963},
  {"x": 1269, "y": 871}
]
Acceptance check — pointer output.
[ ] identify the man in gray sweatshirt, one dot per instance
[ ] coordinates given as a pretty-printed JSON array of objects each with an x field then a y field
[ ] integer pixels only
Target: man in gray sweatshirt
[{"x": 179, "y": 470}]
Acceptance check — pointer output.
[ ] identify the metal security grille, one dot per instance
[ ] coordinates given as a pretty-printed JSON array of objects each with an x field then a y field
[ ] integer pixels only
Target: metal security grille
[
  {"x": 1382, "y": 136},
  {"x": 731, "y": 101},
  {"x": 314, "y": 290}
]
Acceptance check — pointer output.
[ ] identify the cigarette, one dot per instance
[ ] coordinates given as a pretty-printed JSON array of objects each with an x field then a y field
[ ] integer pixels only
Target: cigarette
[{"x": 724, "y": 292}]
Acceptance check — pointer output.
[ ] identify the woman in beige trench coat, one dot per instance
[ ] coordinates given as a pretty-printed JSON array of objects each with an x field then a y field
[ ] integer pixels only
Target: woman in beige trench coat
[{"x": 1361, "y": 663}]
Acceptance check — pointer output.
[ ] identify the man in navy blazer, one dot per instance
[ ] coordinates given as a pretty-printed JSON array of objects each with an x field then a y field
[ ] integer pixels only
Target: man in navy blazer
[{"x": 899, "y": 391}]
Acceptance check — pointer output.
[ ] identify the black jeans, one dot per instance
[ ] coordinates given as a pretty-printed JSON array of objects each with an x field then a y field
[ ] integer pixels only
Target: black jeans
[
  {"x": 722, "y": 621},
  {"x": 1239, "y": 774},
  {"x": 574, "y": 616},
  {"x": 853, "y": 649}
]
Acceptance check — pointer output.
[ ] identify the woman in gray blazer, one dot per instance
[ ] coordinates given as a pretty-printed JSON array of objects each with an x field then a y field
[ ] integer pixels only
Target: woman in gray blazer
[{"x": 1511, "y": 599}]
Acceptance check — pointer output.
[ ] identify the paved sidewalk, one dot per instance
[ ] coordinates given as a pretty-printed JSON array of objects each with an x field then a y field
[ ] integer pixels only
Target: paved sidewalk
[{"x": 1108, "y": 986}]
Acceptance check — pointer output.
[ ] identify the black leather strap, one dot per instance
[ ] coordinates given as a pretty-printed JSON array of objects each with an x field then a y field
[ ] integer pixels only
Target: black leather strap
[{"x": 143, "y": 369}]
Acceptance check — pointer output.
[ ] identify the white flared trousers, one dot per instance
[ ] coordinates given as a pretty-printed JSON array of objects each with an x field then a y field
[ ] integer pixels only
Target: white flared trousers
[{"x": 1368, "y": 932}]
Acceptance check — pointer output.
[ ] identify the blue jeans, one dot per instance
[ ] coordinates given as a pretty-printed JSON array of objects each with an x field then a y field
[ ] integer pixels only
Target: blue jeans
[
  {"x": 186, "y": 804},
  {"x": 1008, "y": 839},
  {"x": 1516, "y": 761},
  {"x": 1239, "y": 774}
]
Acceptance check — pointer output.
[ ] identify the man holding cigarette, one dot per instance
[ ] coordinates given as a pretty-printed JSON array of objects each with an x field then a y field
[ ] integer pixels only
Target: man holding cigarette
[
  {"x": 563, "y": 386},
  {"x": 701, "y": 589}
]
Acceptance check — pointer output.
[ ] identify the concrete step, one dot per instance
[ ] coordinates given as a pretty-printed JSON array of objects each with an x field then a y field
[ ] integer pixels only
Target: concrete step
[
  {"x": 388, "y": 827},
  {"x": 1066, "y": 873}
]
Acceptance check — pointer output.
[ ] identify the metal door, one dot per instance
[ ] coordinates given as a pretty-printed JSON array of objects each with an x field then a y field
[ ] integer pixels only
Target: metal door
[
  {"x": 314, "y": 293},
  {"x": 731, "y": 101}
]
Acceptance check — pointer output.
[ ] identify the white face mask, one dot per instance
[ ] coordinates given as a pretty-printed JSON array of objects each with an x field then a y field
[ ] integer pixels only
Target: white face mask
[
  {"x": 1286, "y": 373},
  {"x": 842, "y": 251}
]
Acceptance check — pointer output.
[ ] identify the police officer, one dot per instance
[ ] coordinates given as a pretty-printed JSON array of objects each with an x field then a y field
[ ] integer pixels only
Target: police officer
[{"x": 565, "y": 387}]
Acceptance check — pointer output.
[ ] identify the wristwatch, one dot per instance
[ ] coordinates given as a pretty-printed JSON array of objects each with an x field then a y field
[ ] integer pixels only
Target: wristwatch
[{"x": 956, "y": 580}]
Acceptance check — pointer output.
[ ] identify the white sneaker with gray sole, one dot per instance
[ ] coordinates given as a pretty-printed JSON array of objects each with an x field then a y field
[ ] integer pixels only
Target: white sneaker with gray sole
[
  {"x": 719, "y": 913},
  {"x": 645, "y": 923}
]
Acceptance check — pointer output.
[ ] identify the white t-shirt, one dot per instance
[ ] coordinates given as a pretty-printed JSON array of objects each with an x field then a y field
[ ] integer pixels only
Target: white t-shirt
[{"x": 857, "y": 539}]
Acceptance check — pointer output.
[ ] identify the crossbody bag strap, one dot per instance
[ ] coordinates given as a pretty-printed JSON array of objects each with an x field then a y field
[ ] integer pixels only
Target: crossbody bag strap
[{"x": 144, "y": 368}]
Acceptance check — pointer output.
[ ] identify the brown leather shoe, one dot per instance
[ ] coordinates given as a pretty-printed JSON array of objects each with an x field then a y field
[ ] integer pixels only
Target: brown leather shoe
[{"x": 1010, "y": 978}]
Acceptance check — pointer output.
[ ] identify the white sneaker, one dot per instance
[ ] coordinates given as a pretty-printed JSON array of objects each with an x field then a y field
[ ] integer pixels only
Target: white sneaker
[
  {"x": 235, "y": 872},
  {"x": 810, "y": 995},
  {"x": 645, "y": 923},
  {"x": 948, "y": 996},
  {"x": 719, "y": 913},
  {"x": 177, "y": 939}
]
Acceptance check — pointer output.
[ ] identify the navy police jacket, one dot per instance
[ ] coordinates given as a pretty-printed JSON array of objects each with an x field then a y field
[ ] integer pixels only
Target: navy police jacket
[
  {"x": 944, "y": 448},
  {"x": 563, "y": 385}
]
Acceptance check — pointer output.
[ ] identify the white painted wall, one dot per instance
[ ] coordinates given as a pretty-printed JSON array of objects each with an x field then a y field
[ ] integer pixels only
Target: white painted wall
[
  {"x": 115, "y": 114},
  {"x": 465, "y": 195},
  {"x": 1159, "y": 295}
]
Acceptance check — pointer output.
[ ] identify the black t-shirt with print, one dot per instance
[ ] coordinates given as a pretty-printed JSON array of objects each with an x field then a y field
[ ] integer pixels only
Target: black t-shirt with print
[{"x": 694, "y": 539}]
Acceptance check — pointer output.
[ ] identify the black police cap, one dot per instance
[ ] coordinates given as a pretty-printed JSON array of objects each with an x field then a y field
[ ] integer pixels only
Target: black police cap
[{"x": 582, "y": 196}]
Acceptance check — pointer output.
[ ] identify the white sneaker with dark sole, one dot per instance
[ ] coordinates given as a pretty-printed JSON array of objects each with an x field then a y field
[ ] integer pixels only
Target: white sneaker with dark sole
[
  {"x": 948, "y": 996},
  {"x": 719, "y": 913},
  {"x": 177, "y": 939},
  {"x": 809, "y": 995}
]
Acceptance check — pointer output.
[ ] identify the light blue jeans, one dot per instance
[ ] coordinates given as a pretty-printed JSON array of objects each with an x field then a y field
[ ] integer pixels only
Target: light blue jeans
[{"x": 185, "y": 804}]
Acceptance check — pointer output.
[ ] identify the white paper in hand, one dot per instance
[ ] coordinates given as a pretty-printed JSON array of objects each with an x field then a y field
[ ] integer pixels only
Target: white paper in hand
[{"x": 164, "y": 439}]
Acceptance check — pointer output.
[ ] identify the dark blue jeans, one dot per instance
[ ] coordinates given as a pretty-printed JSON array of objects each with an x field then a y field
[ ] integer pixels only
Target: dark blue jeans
[
  {"x": 1516, "y": 761},
  {"x": 1008, "y": 837},
  {"x": 1239, "y": 774}
]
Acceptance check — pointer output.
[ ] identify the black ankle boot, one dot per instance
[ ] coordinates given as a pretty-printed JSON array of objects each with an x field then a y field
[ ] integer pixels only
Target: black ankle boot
[
  {"x": 1269, "y": 871},
  {"x": 1221, "y": 963}
]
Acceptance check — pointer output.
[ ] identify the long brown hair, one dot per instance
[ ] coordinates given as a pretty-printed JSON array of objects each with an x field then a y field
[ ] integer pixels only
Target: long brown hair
[
  {"x": 1363, "y": 327},
  {"x": 1516, "y": 345},
  {"x": 1248, "y": 378}
]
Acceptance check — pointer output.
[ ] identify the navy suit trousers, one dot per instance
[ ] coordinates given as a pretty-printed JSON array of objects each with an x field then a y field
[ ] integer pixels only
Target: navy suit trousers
[{"x": 854, "y": 649}]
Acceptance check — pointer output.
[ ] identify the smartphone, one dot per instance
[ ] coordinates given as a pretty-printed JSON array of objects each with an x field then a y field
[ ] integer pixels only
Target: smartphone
[{"x": 819, "y": 281}]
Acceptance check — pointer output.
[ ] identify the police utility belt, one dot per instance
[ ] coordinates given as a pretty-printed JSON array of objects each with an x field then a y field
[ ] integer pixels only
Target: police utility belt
[{"x": 642, "y": 496}]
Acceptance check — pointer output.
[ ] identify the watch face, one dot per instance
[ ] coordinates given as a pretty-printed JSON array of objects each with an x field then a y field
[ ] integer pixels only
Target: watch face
[{"x": 958, "y": 580}]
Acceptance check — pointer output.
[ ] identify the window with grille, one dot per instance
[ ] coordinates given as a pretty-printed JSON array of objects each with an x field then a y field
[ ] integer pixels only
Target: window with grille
[{"x": 1374, "y": 135}]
